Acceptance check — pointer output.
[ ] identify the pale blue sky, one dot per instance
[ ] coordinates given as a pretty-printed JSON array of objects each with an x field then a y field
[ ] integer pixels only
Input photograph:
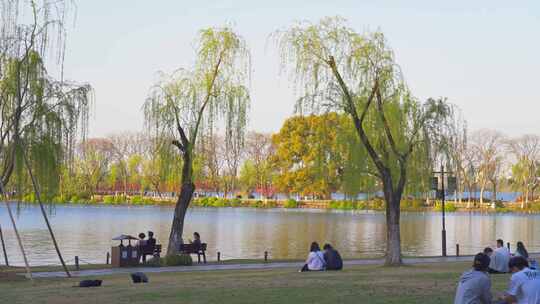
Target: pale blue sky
[{"x": 482, "y": 55}]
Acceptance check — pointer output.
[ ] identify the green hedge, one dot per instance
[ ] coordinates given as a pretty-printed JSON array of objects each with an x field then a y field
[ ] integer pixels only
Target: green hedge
[
  {"x": 290, "y": 203},
  {"x": 210, "y": 202},
  {"x": 412, "y": 205},
  {"x": 177, "y": 260},
  {"x": 448, "y": 207}
]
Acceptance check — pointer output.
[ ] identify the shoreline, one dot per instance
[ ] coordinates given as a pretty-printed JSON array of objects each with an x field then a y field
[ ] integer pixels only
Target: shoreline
[{"x": 374, "y": 205}]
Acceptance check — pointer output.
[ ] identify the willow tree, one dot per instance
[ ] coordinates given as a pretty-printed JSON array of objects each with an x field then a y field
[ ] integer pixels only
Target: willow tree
[
  {"x": 188, "y": 103},
  {"x": 40, "y": 114},
  {"x": 342, "y": 70}
]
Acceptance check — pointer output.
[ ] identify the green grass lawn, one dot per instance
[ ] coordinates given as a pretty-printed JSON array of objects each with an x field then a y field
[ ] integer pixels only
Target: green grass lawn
[{"x": 428, "y": 283}]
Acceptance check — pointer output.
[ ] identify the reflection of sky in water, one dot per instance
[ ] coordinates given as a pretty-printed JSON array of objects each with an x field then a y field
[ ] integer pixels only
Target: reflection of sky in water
[{"x": 246, "y": 233}]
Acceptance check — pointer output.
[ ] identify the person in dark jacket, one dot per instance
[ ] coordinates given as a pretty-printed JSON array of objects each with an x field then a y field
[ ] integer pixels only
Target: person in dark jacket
[
  {"x": 141, "y": 242},
  {"x": 151, "y": 242},
  {"x": 332, "y": 258},
  {"x": 196, "y": 241}
]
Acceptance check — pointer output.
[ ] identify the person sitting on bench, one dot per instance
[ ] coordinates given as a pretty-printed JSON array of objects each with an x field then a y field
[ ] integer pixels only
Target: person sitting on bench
[
  {"x": 146, "y": 247},
  {"x": 195, "y": 247},
  {"x": 141, "y": 242},
  {"x": 196, "y": 241},
  {"x": 151, "y": 242}
]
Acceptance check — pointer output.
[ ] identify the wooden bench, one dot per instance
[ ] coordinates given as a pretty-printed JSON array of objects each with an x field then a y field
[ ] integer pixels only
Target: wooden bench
[
  {"x": 192, "y": 249},
  {"x": 150, "y": 250}
]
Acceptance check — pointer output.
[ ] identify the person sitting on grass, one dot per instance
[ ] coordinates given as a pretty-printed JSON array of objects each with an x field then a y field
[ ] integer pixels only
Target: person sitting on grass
[
  {"x": 315, "y": 260},
  {"x": 332, "y": 258},
  {"x": 474, "y": 286},
  {"x": 521, "y": 250},
  {"x": 524, "y": 284},
  {"x": 499, "y": 259}
]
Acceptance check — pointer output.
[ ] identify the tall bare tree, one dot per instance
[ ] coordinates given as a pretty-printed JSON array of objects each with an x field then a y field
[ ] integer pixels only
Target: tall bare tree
[
  {"x": 127, "y": 145},
  {"x": 232, "y": 154},
  {"x": 259, "y": 149},
  {"x": 93, "y": 163},
  {"x": 458, "y": 154},
  {"x": 488, "y": 147}
]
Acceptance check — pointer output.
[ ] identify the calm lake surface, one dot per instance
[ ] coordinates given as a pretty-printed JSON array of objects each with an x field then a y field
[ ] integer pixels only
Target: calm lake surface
[{"x": 86, "y": 231}]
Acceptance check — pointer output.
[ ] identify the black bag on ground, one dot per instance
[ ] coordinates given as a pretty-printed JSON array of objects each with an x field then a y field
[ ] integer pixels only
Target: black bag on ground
[
  {"x": 139, "y": 277},
  {"x": 90, "y": 283}
]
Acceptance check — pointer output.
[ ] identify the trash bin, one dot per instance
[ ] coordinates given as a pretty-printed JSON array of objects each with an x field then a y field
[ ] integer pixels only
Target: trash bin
[{"x": 123, "y": 256}]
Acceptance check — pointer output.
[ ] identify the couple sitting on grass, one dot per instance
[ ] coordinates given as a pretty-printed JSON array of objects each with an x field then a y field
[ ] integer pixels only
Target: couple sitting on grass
[
  {"x": 318, "y": 260},
  {"x": 475, "y": 285}
]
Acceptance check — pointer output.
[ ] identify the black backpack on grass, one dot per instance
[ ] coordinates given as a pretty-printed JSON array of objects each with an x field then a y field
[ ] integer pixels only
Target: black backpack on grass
[
  {"x": 139, "y": 277},
  {"x": 90, "y": 283}
]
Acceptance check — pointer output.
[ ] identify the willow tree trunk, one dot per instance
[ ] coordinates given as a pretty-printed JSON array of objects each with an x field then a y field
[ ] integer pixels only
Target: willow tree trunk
[
  {"x": 393, "y": 234},
  {"x": 177, "y": 229},
  {"x": 182, "y": 204}
]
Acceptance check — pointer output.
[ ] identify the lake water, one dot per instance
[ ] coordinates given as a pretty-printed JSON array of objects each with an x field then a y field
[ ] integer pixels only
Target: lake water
[{"x": 86, "y": 231}]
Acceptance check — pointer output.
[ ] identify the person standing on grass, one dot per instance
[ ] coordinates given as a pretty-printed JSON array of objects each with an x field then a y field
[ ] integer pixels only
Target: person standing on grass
[
  {"x": 332, "y": 258},
  {"x": 500, "y": 258},
  {"x": 474, "y": 286},
  {"x": 524, "y": 284},
  {"x": 315, "y": 260}
]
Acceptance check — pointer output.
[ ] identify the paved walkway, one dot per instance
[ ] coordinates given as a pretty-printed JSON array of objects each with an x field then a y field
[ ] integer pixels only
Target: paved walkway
[{"x": 214, "y": 267}]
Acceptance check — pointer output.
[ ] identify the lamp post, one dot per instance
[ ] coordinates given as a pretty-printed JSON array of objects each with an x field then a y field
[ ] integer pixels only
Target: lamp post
[{"x": 441, "y": 194}]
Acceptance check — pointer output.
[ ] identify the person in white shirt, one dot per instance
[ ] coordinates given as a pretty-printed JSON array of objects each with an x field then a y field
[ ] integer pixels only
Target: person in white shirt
[
  {"x": 524, "y": 283},
  {"x": 315, "y": 260},
  {"x": 474, "y": 286},
  {"x": 499, "y": 259}
]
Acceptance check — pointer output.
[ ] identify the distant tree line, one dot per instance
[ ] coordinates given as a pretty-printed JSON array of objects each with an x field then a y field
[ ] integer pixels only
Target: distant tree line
[{"x": 311, "y": 156}]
